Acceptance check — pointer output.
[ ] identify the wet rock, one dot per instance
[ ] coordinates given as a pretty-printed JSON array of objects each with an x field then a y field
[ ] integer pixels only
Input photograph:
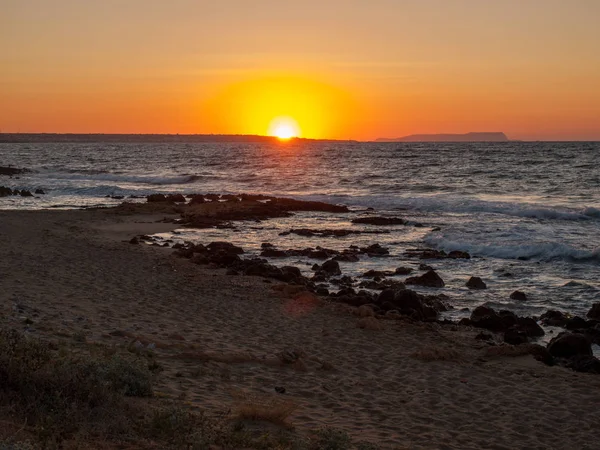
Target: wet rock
[
  {"x": 40, "y": 192},
  {"x": 404, "y": 271},
  {"x": 331, "y": 267},
  {"x": 530, "y": 327},
  {"x": 428, "y": 279},
  {"x": 554, "y": 318},
  {"x": 518, "y": 295},
  {"x": 568, "y": 345},
  {"x": 10, "y": 171},
  {"x": 347, "y": 257},
  {"x": 5, "y": 192},
  {"x": 425, "y": 267},
  {"x": 377, "y": 273},
  {"x": 486, "y": 317},
  {"x": 382, "y": 285},
  {"x": 25, "y": 193},
  {"x": 375, "y": 250},
  {"x": 273, "y": 253},
  {"x": 476, "y": 283},
  {"x": 594, "y": 312},
  {"x": 156, "y": 198},
  {"x": 427, "y": 253},
  {"x": 134, "y": 240},
  {"x": 457, "y": 254},
  {"x": 224, "y": 246},
  {"x": 376, "y": 220}
]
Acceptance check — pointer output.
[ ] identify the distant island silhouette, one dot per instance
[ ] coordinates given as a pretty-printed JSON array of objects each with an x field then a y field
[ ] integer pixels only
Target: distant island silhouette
[
  {"x": 467, "y": 137},
  {"x": 145, "y": 138}
]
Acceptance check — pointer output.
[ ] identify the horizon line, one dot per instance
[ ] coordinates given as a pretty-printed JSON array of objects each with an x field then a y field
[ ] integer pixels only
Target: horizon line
[{"x": 379, "y": 140}]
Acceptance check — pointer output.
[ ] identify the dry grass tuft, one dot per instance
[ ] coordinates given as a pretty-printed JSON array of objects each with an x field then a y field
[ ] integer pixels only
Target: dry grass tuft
[
  {"x": 433, "y": 353},
  {"x": 263, "y": 407}
]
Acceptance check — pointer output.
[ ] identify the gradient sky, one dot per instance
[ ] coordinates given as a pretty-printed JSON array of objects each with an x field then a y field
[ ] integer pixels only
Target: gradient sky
[{"x": 342, "y": 69}]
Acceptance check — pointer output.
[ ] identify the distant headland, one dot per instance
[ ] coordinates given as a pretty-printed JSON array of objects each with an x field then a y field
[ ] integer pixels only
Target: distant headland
[
  {"x": 144, "y": 138},
  {"x": 467, "y": 137}
]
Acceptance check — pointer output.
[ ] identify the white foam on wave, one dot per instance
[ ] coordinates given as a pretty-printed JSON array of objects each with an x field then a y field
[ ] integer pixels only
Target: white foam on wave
[
  {"x": 466, "y": 205},
  {"x": 545, "y": 251}
]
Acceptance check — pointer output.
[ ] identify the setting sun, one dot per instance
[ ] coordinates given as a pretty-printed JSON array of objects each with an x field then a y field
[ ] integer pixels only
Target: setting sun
[{"x": 284, "y": 128}]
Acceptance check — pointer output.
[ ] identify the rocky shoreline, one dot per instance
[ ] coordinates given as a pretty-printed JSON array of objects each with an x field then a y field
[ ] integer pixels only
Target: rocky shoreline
[{"x": 382, "y": 296}]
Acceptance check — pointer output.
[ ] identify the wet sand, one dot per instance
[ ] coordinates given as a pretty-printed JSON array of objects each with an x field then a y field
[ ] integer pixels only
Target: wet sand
[{"x": 403, "y": 385}]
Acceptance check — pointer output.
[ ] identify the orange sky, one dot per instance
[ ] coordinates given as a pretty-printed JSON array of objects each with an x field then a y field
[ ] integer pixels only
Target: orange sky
[{"x": 342, "y": 69}]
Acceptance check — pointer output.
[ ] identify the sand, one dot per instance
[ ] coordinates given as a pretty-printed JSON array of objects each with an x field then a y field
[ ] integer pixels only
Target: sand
[{"x": 220, "y": 337}]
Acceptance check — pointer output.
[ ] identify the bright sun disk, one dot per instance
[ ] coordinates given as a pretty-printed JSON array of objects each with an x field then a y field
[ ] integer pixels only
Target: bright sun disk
[{"x": 284, "y": 128}]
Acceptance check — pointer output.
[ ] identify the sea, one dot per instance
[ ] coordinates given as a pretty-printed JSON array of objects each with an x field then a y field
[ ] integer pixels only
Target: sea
[{"x": 527, "y": 212}]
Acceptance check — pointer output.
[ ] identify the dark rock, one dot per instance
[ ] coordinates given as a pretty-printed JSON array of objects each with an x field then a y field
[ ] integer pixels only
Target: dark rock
[
  {"x": 40, "y": 192},
  {"x": 5, "y": 192},
  {"x": 25, "y": 193},
  {"x": 331, "y": 267},
  {"x": 347, "y": 257},
  {"x": 377, "y": 273},
  {"x": 322, "y": 291},
  {"x": 134, "y": 240},
  {"x": 380, "y": 220},
  {"x": 483, "y": 336},
  {"x": 375, "y": 250},
  {"x": 155, "y": 198},
  {"x": 584, "y": 363},
  {"x": 386, "y": 295},
  {"x": 457, "y": 254},
  {"x": 197, "y": 200},
  {"x": 425, "y": 267},
  {"x": 530, "y": 327},
  {"x": 515, "y": 336},
  {"x": 485, "y": 317},
  {"x": 576, "y": 323},
  {"x": 554, "y": 318},
  {"x": 10, "y": 171},
  {"x": 518, "y": 295},
  {"x": 280, "y": 389},
  {"x": 567, "y": 345},
  {"x": 428, "y": 279},
  {"x": 426, "y": 253},
  {"x": 382, "y": 285},
  {"x": 292, "y": 270},
  {"x": 594, "y": 312},
  {"x": 273, "y": 253},
  {"x": 476, "y": 283},
  {"x": 225, "y": 246},
  {"x": 404, "y": 271}
]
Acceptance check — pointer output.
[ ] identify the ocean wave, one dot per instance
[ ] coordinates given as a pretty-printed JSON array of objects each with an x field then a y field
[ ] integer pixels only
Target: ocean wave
[
  {"x": 126, "y": 178},
  {"x": 456, "y": 204},
  {"x": 546, "y": 251}
]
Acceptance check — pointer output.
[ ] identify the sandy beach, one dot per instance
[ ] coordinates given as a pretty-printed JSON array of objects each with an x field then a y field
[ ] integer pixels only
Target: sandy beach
[{"x": 218, "y": 337}]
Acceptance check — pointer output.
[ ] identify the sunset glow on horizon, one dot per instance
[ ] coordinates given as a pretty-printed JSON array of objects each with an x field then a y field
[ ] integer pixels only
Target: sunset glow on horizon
[{"x": 340, "y": 69}]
